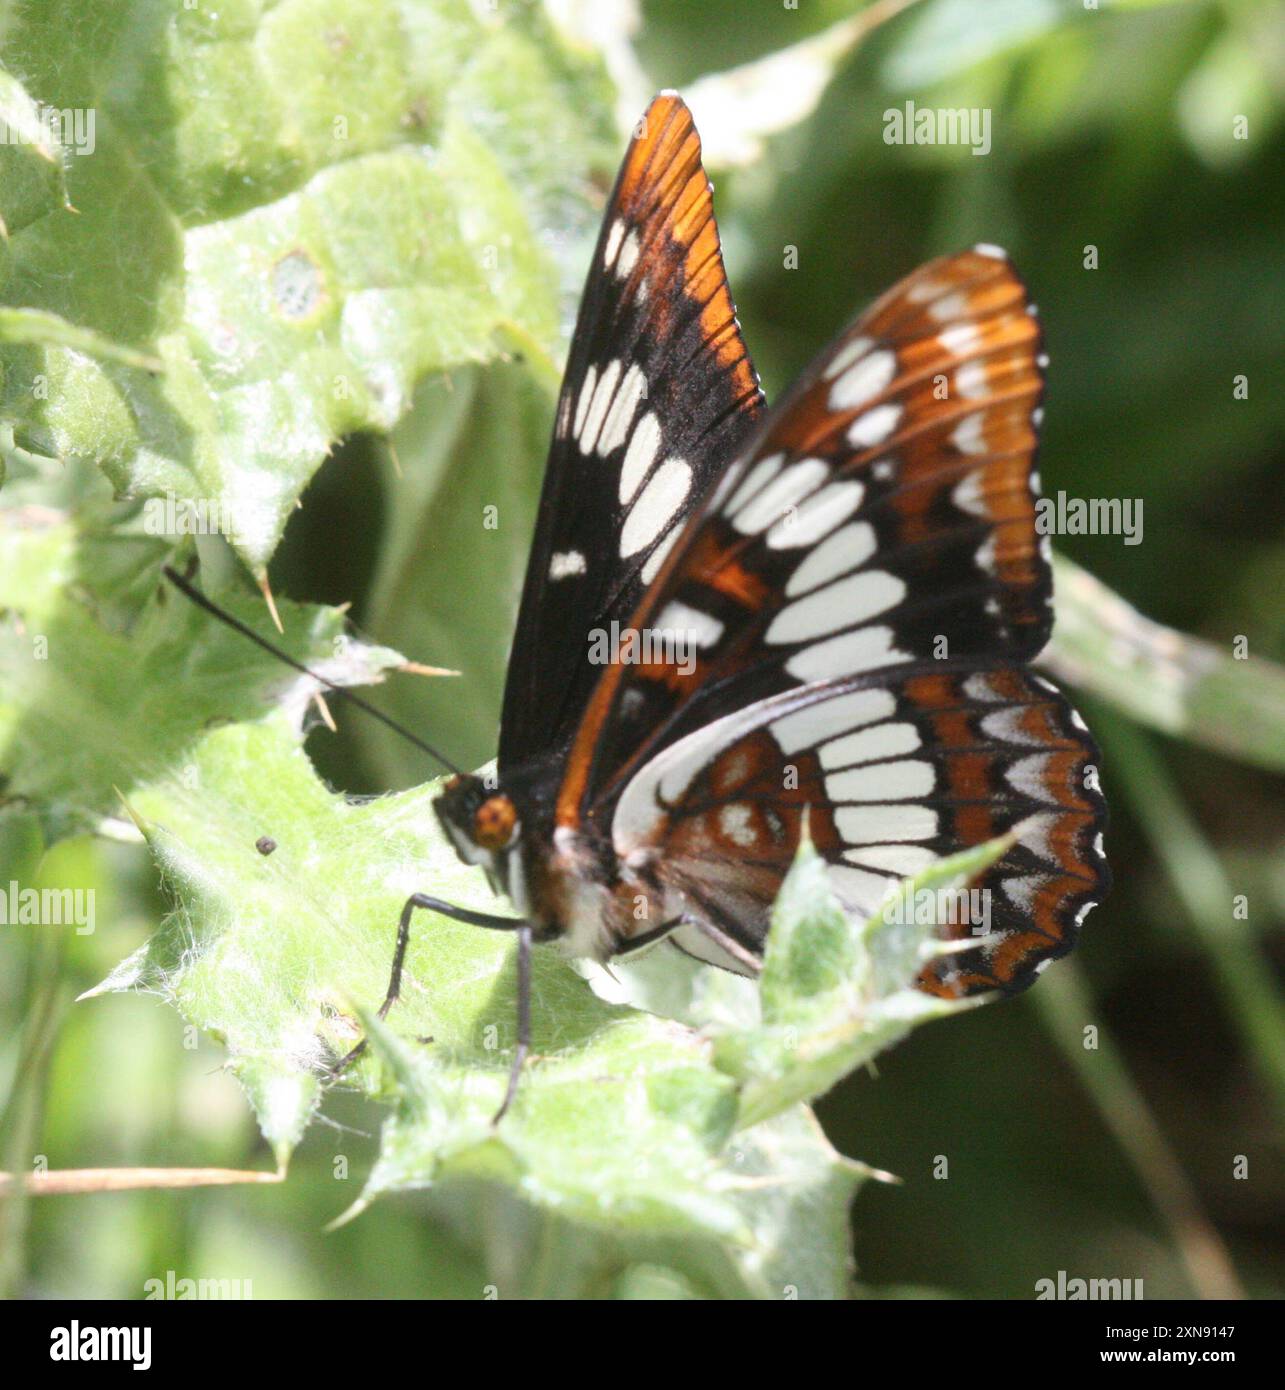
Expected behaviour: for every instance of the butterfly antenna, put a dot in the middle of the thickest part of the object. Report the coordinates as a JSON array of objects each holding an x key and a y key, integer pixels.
[{"x": 190, "y": 591}]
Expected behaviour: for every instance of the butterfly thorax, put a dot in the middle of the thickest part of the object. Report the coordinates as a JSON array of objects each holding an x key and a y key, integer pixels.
[{"x": 566, "y": 883}]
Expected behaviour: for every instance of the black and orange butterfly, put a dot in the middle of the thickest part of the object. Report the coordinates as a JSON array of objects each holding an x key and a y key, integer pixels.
[{"x": 818, "y": 615}]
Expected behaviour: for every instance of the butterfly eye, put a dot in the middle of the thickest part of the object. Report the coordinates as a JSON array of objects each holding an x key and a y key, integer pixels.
[{"x": 495, "y": 823}]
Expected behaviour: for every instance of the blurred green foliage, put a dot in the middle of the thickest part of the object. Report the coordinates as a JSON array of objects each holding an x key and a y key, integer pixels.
[{"x": 1113, "y": 128}]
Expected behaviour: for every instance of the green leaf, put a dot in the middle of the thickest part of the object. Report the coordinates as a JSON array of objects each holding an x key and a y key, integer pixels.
[
  {"x": 680, "y": 1146},
  {"x": 31, "y": 171},
  {"x": 36, "y": 326},
  {"x": 300, "y": 210},
  {"x": 944, "y": 38},
  {"x": 836, "y": 992},
  {"x": 631, "y": 1137},
  {"x": 110, "y": 709}
]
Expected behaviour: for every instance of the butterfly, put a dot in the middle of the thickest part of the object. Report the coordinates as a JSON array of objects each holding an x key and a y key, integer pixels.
[
  {"x": 854, "y": 585},
  {"x": 741, "y": 626}
]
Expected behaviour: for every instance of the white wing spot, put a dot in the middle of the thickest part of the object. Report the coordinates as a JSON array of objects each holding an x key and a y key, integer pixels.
[
  {"x": 628, "y": 256},
  {"x": 816, "y": 516},
  {"x": 614, "y": 238},
  {"x": 959, "y": 337},
  {"x": 1006, "y": 724},
  {"x": 1027, "y": 776},
  {"x": 985, "y": 555},
  {"x": 771, "y": 503},
  {"x": 902, "y": 860},
  {"x": 587, "y": 435},
  {"x": 858, "y": 889},
  {"x": 978, "y": 687},
  {"x": 924, "y": 291},
  {"x": 1021, "y": 890},
  {"x": 758, "y": 477},
  {"x": 874, "y": 426},
  {"x": 866, "y": 745},
  {"x": 587, "y": 387},
  {"x": 894, "y": 781},
  {"x": 967, "y": 494},
  {"x": 656, "y": 506},
  {"x": 826, "y": 719},
  {"x": 864, "y": 650},
  {"x": 884, "y": 824},
  {"x": 949, "y": 306},
  {"x": 967, "y": 436},
  {"x": 847, "y": 549},
  {"x": 735, "y": 821},
  {"x": 681, "y": 618},
  {"x": 564, "y": 563},
  {"x": 615, "y": 428},
  {"x": 847, "y": 355},
  {"x": 864, "y": 380},
  {"x": 970, "y": 380},
  {"x": 1036, "y": 832},
  {"x": 639, "y": 456},
  {"x": 839, "y": 605}
]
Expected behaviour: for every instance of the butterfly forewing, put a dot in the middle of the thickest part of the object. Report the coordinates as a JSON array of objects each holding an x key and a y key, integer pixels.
[
  {"x": 658, "y": 395},
  {"x": 881, "y": 514}
]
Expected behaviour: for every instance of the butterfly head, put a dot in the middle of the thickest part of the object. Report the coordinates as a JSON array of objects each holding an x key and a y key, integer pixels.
[{"x": 481, "y": 822}]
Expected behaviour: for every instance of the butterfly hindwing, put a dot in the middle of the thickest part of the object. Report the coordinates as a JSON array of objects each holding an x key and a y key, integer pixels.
[
  {"x": 889, "y": 771},
  {"x": 658, "y": 394}
]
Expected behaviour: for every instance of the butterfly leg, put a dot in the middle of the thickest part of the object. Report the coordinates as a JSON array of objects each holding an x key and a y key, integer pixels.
[
  {"x": 635, "y": 944},
  {"x": 524, "y": 1019},
  {"x": 445, "y": 909},
  {"x": 750, "y": 963}
]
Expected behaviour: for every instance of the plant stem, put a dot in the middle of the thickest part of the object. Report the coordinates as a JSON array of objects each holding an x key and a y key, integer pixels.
[
  {"x": 1242, "y": 972},
  {"x": 1165, "y": 678},
  {"x": 1065, "y": 1006}
]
